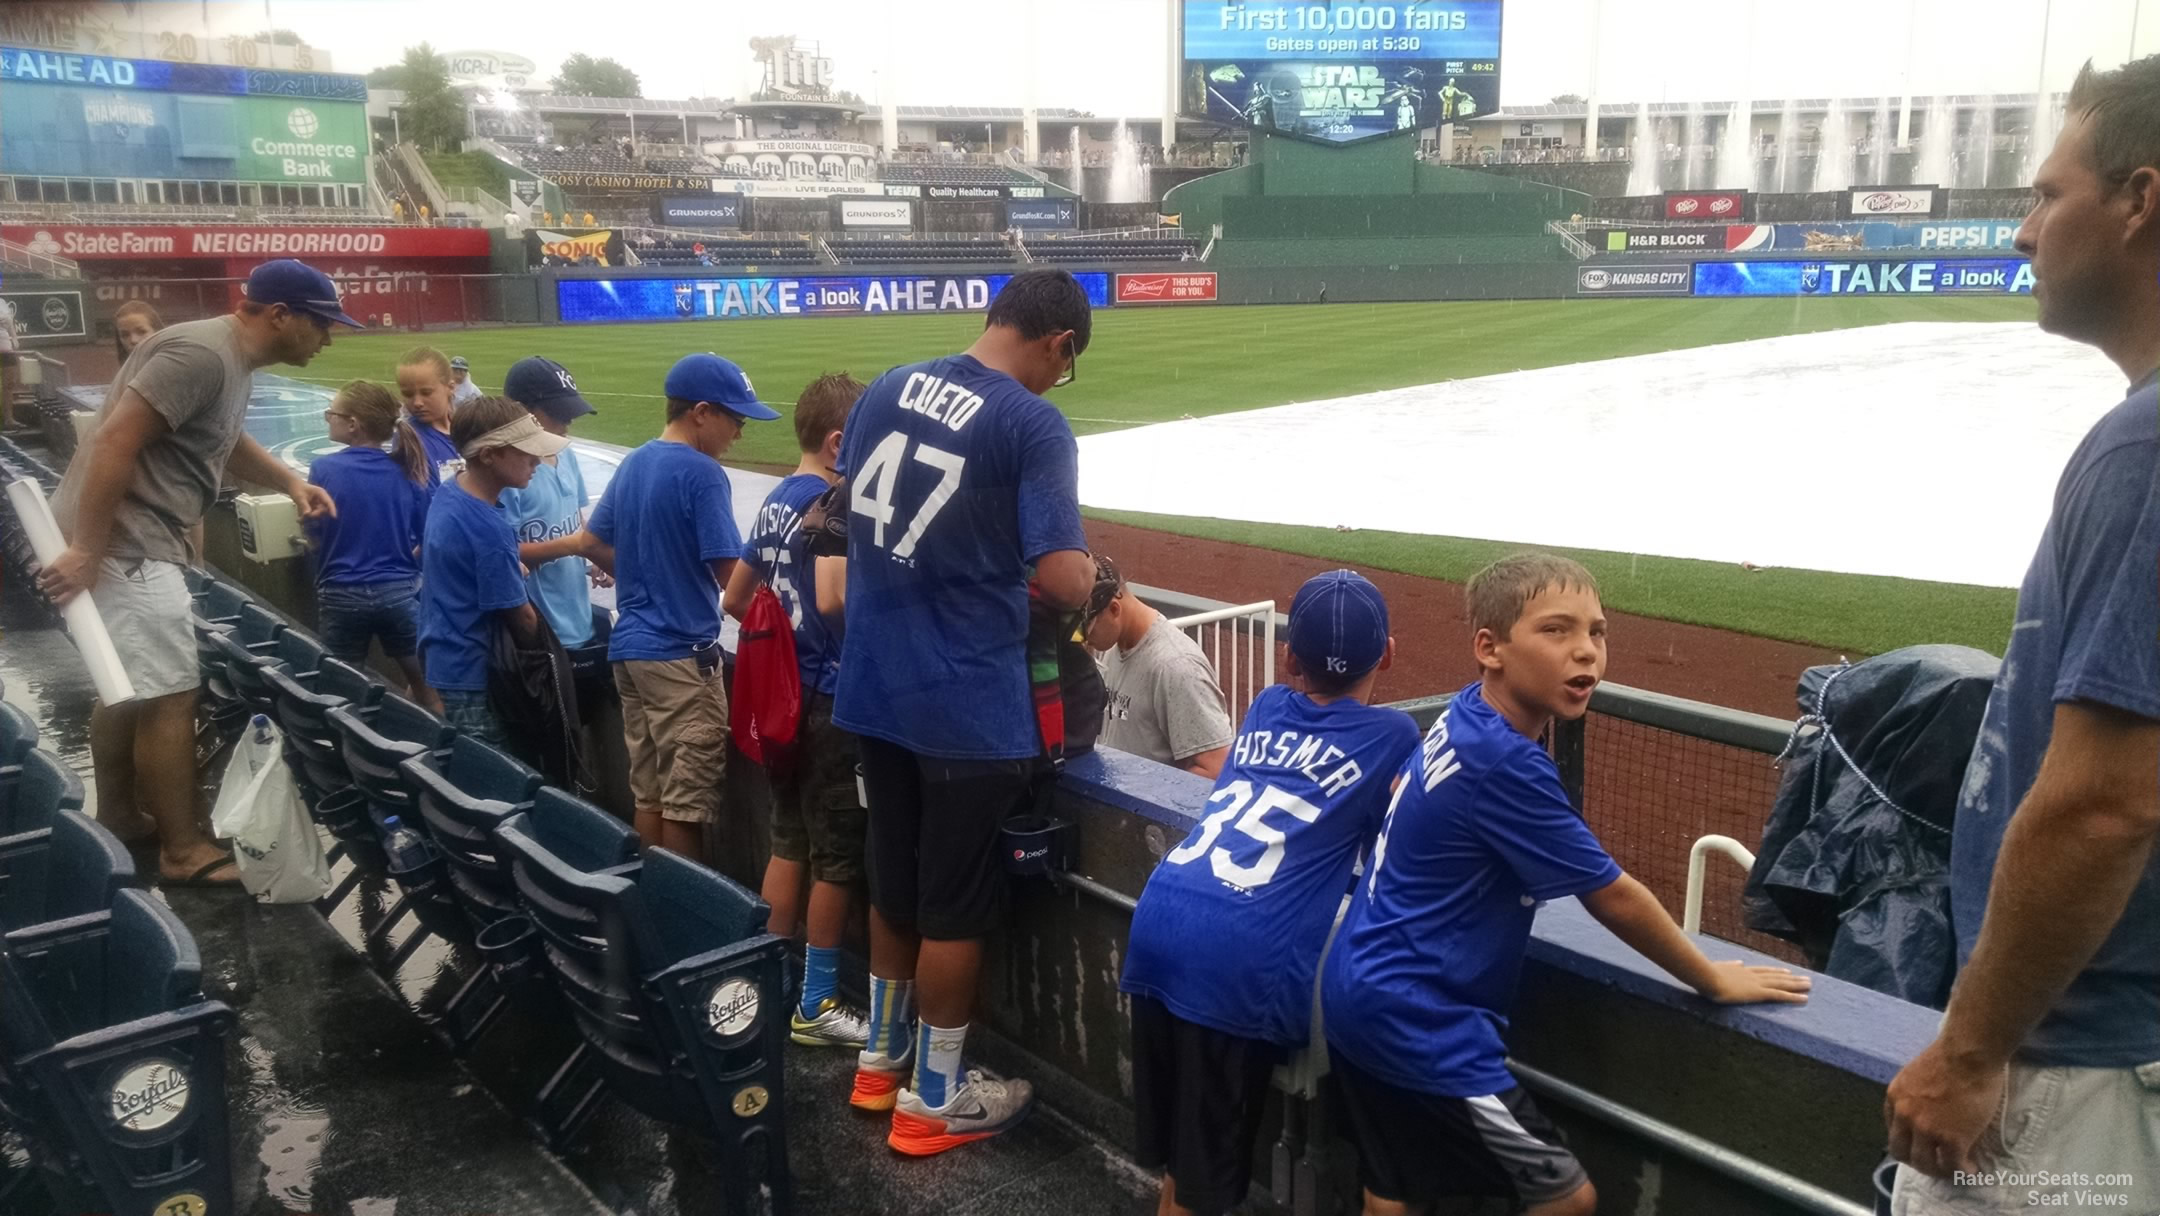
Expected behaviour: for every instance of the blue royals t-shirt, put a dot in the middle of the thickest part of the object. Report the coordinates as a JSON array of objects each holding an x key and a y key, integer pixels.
[
  {"x": 1424, "y": 969},
  {"x": 469, "y": 571},
  {"x": 781, "y": 554},
  {"x": 380, "y": 514},
  {"x": 1229, "y": 930},
  {"x": 959, "y": 480},
  {"x": 2088, "y": 617},
  {"x": 441, "y": 452},
  {"x": 550, "y": 508},
  {"x": 670, "y": 514}
]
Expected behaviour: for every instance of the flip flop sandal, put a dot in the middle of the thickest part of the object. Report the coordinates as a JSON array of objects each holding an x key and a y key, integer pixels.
[{"x": 201, "y": 878}]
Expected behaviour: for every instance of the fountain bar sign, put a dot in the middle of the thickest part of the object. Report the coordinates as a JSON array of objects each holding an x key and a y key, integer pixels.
[
  {"x": 1879, "y": 202},
  {"x": 1707, "y": 206}
]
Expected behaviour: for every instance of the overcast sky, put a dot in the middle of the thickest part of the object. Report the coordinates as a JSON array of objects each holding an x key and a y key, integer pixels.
[{"x": 1107, "y": 56}]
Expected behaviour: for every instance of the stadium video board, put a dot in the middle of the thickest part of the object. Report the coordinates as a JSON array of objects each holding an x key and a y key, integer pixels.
[
  {"x": 663, "y": 299},
  {"x": 1959, "y": 276},
  {"x": 1342, "y": 70}
]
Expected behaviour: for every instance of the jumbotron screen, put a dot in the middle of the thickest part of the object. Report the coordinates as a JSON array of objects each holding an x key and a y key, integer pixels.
[{"x": 1342, "y": 71}]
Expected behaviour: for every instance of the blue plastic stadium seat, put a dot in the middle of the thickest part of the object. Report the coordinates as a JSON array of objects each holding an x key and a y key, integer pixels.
[
  {"x": 463, "y": 796},
  {"x": 299, "y": 701},
  {"x": 71, "y": 867},
  {"x": 42, "y": 789},
  {"x": 673, "y": 984},
  {"x": 374, "y": 741},
  {"x": 18, "y": 734},
  {"x": 115, "y": 1064}
]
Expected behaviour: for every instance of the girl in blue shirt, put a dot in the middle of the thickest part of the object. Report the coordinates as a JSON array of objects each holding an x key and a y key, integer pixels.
[
  {"x": 367, "y": 574},
  {"x": 423, "y": 377}
]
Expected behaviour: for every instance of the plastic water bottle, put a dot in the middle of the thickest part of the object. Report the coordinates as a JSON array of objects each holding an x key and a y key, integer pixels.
[
  {"x": 407, "y": 849},
  {"x": 263, "y": 734}
]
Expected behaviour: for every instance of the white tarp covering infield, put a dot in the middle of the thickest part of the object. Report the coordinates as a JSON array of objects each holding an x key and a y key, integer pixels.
[{"x": 1924, "y": 450}]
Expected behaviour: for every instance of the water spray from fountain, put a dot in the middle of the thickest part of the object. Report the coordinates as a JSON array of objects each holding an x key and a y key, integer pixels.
[
  {"x": 1834, "y": 150},
  {"x": 1648, "y": 154},
  {"x": 1736, "y": 160},
  {"x": 1786, "y": 180},
  {"x": 1980, "y": 143},
  {"x": 1879, "y": 141},
  {"x": 1934, "y": 167},
  {"x": 1691, "y": 158},
  {"x": 1127, "y": 184}
]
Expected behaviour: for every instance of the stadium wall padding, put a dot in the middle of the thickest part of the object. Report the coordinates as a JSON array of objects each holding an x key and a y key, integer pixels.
[{"x": 1301, "y": 285}]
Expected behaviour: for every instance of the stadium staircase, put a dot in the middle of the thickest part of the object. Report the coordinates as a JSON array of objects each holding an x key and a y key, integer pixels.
[{"x": 22, "y": 259}]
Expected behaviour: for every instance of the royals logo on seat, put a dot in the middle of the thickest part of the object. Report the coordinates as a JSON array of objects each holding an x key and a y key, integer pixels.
[
  {"x": 732, "y": 1009},
  {"x": 149, "y": 1096}
]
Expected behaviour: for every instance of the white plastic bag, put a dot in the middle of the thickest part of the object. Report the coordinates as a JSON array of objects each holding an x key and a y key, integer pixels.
[{"x": 275, "y": 848}]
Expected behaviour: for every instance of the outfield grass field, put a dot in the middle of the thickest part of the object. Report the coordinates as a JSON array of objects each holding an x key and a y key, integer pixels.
[{"x": 1153, "y": 365}]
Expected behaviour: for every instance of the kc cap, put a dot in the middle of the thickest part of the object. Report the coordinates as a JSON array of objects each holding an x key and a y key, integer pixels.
[
  {"x": 545, "y": 385},
  {"x": 1339, "y": 624},
  {"x": 708, "y": 377},
  {"x": 458, "y": 364},
  {"x": 300, "y": 287}
]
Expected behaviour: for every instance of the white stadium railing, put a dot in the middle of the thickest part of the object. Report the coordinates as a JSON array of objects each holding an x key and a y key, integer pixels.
[{"x": 1240, "y": 642}]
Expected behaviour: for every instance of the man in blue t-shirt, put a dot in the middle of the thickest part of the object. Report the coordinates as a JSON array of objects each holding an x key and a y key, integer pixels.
[
  {"x": 818, "y": 821},
  {"x": 669, "y": 516},
  {"x": 2053, "y": 1027},
  {"x": 553, "y": 505},
  {"x": 961, "y": 479},
  {"x": 1423, "y": 971},
  {"x": 1230, "y": 928}
]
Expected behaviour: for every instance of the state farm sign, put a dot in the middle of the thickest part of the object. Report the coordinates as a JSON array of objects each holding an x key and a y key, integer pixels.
[
  {"x": 98, "y": 242},
  {"x": 1166, "y": 288}
]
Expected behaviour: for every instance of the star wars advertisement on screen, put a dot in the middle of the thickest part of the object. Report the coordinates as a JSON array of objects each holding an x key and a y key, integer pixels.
[{"x": 1341, "y": 71}]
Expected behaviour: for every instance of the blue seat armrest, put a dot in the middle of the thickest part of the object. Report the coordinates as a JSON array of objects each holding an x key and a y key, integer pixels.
[
  {"x": 152, "y": 1028},
  {"x": 628, "y": 869},
  {"x": 38, "y": 938},
  {"x": 720, "y": 957}
]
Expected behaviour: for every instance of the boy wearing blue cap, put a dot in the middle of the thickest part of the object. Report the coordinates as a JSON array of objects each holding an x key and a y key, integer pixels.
[
  {"x": 1230, "y": 928},
  {"x": 669, "y": 514},
  {"x": 1418, "y": 984},
  {"x": 551, "y": 507},
  {"x": 170, "y": 428}
]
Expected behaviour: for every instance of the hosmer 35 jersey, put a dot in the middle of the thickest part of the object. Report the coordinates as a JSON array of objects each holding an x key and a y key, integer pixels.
[
  {"x": 1229, "y": 931},
  {"x": 959, "y": 480}
]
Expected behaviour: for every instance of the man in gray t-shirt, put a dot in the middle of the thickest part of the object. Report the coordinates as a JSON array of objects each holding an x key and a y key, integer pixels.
[
  {"x": 170, "y": 428},
  {"x": 1164, "y": 702}
]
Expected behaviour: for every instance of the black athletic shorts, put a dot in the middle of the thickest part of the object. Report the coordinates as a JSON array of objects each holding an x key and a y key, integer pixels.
[
  {"x": 1197, "y": 1098},
  {"x": 1419, "y": 1148},
  {"x": 934, "y": 862}
]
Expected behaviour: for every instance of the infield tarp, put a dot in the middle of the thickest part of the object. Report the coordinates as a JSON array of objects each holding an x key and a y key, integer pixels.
[{"x": 1927, "y": 450}]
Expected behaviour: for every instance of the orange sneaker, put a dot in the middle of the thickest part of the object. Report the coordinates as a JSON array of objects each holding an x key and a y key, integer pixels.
[
  {"x": 979, "y": 1109},
  {"x": 878, "y": 1078}
]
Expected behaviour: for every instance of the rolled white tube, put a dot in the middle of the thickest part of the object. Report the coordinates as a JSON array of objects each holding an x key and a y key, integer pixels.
[{"x": 83, "y": 622}]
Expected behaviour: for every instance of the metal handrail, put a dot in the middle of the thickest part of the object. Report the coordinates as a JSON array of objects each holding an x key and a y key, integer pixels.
[
  {"x": 1570, "y": 235},
  {"x": 30, "y": 260},
  {"x": 1698, "y": 856},
  {"x": 1797, "y": 1192}
]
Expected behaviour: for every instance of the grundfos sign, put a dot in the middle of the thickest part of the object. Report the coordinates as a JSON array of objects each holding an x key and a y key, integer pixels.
[{"x": 90, "y": 242}]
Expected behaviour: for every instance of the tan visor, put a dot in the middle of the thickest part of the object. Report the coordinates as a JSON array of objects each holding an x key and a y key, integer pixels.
[{"x": 525, "y": 435}]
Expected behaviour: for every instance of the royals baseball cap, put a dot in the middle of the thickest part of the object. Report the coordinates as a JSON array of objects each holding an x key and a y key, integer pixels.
[
  {"x": 1339, "y": 624},
  {"x": 458, "y": 363},
  {"x": 300, "y": 287},
  {"x": 710, "y": 378},
  {"x": 547, "y": 386}
]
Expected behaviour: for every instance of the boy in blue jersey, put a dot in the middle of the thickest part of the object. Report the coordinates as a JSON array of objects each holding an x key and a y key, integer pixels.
[
  {"x": 961, "y": 479},
  {"x": 1417, "y": 987},
  {"x": 669, "y": 515},
  {"x": 1229, "y": 932},
  {"x": 469, "y": 572},
  {"x": 552, "y": 506},
  {"x": 817, "y": 820}
]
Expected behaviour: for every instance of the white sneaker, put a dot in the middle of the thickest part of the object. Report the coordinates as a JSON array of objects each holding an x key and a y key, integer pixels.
[
  {"x": 878, "y": 1077},
  {"x": 981, "y": 1108},
  {"x": 835, "y": 1025}
]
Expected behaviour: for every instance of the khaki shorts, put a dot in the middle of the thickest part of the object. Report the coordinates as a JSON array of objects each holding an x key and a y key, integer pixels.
[
  {"x": 675, "y": 724},
  {"x": 2067, "y": 1140},
  {"x": 817, "y": 817},
  {"x": 147, "y": 612}
]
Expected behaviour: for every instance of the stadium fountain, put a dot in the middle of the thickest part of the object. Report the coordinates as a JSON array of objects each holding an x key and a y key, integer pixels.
[
  {"x": 1980, "y": 144},
  {"x": 1934, "y": 167},
  {"x": 1648, "y": 154},
  {"x": 1078, "y": 180},
  {"x": 1691, "y": 156},
  {"x": 1128, "y": 177},
  {"x": 1788, "y": 160},
  {"x": 1834, "y": 150},
  {"x": 2046, "y": 124},
  {"x": 1736, "y": 152},
  {"x": 1879, "y": 145}
]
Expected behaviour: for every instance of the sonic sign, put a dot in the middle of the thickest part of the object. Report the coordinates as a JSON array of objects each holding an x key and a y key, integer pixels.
[{"x": 1343, "y": 70}]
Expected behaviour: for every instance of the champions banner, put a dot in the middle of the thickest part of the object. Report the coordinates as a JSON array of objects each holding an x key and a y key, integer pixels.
[
  {"x": 706, "y": 299},
  {"x": 1341, "y": 71}
]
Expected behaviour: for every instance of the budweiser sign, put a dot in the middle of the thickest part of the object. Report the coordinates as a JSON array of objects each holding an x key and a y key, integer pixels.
[
  {"x": 101, "y": 242},
  {"x": 1196, "y": 288}
]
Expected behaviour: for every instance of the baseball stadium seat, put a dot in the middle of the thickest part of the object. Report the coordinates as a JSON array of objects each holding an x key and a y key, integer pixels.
[
  {"x": 70, "y": 867},
  {"x": 43, "y": 788},
  {"x": 114, "y": 1062},
  {"x": 248, "y": 649},
  {"x": 374, "y": 741},
  {"x": 672, "y": 981},
  {"x": 18, "y": 734}
]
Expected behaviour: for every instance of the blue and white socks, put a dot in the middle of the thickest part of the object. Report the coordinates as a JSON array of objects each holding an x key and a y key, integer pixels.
[
  {"x": 937, "y": 1063},
  {"x": 821, "y": 978},
  {"x": 892, "y": 1012}
]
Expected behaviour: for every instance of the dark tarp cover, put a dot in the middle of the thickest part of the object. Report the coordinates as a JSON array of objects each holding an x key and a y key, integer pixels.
[{"x": 1854, "y": 864}]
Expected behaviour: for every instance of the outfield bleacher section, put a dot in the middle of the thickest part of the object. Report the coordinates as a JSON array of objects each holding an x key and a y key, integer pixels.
[
  {"x": 921, "y": 249},
  {"x": 932, "y": 174},
  {"x": 1321, "y": 252},
  {"x": 1073, "y": 250},
  {"x": 722, "y": 252}
]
